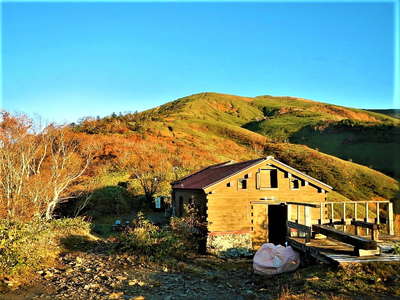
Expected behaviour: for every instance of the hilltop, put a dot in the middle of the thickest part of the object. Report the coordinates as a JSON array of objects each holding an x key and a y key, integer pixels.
[{"x": 211, "y": 127}]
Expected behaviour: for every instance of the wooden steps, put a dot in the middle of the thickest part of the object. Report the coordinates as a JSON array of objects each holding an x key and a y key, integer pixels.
[
  {"x": 331, "y": 251},
  {"x": 354, "y": 240}
]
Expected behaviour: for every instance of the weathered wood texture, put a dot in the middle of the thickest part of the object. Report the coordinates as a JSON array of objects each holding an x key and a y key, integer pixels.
[
  {"x": 338, "y": 253},
  {"x": 229, "y": 207},
  {"x": 344, "y": 237},
  {"x": 259, "y": 224},
  {"x": 183, "y": 198},
  {"x": 374, "y": 228},
  {"x": 301, "y": 228}
]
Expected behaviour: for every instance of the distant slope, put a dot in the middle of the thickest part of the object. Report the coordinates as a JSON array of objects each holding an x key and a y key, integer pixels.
[
  {"x": 395, "y": 113},
  {"x": 211, "y": 127},
  {"x": 284, "y": 116}
]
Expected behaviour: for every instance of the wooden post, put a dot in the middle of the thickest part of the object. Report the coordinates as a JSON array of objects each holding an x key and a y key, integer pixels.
[
  {"x": 355, "y": 211},
  {"x": 355, "y": 218},
  {"x": 378, "y": 221},
  {"x": 297, "y": 220},
  {"x": 321, "y": 216},
  {"x": 344, "y": 216},
  {"x": 289, "y": 218},
  {"x": 355, "y": 229},
  {"x": 390, "y": 218},
  {"x": 307, "y": 216},
  {"x": 307, "y": 219},
  {"x": 366, "y": 217},
  {"x": 374, "y": 234}
]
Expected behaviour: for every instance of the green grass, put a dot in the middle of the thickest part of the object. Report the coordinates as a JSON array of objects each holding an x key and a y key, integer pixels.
[
  {"x": 368, "y": 145},
  {"x": 281, "y": 128}
]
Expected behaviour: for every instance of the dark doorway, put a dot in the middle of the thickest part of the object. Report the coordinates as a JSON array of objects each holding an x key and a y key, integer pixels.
[{"x": 277, "y": 227}]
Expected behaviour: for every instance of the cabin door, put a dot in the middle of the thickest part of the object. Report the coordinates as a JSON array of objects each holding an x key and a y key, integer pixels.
[
  {"x": 259, "y": 224},
  {"x": 277, "y": 226}
]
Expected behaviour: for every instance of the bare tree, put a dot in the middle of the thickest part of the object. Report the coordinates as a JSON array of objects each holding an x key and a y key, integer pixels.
[
  {"x": 18, "y": 150},
  {"x": 150, "y": 165},
  {"x": 37, "y": 168},
  {"x": 67, "y": 162}
]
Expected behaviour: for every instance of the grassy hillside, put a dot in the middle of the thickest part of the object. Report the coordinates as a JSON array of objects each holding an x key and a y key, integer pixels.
[
  {"x": 395, "y": 113},
  {"x": 212, "y": 127},
  {"x": 365, "y": 137},
  {"x": 374, "y": 146}
]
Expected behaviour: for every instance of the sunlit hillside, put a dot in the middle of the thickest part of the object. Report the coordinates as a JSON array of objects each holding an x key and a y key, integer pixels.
[{"x": 212, "y": 127}]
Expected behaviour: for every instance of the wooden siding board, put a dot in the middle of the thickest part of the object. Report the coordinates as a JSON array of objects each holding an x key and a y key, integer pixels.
[{"x": 229, "y": 208}]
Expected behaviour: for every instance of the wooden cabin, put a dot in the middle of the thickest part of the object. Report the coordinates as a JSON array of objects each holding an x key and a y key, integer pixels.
[{"x": 246, "y": 204}]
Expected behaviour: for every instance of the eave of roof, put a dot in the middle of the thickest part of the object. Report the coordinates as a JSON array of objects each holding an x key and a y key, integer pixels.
[
  {"x": 255, "y": 162},
  {"x": 237, "y": 172},
  {"x": 207, "y": 176},
  {"x": 304, "y": 174},
  {"x": 201, "y": 170}
]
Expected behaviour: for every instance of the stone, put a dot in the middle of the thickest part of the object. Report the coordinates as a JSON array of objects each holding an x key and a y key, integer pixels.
[
  {"x": 121, "y": 278},
  {"x": 136, "y": 282},
  {"x": 117, "y": 295},
  {"x": 314, "y": 278}
]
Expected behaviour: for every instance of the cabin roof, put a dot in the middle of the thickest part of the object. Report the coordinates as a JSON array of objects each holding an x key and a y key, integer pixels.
[{"x": 213, "y": 174}]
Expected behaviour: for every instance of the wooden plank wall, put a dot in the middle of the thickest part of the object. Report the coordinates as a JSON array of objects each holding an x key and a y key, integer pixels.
[{"x": 229, "y": 206}]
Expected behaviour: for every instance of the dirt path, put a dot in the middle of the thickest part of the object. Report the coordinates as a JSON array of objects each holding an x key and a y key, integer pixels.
[{"x": 99, "y": 275}]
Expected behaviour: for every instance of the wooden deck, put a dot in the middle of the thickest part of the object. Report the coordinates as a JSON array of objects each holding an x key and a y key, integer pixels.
[{"x": 334, "y": 252}]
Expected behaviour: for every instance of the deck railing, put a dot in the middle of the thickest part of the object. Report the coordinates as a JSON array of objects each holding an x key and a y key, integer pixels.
[{"x": 343, "y": 213}]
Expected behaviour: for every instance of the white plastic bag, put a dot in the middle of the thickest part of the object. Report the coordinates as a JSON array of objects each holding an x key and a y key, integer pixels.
[{"x": 273, "y": 259}]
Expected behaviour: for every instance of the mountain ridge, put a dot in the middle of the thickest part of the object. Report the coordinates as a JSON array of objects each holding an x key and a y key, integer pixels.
[{"x": 215, "y": 127}]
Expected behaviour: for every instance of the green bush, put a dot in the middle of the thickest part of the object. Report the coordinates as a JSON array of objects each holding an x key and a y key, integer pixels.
[
  {"x": 25, "y": 247},
  {"x": 109, "y": 200},
  {"x": 396, "y": 248},
  {"x": 157, "y": 243}
]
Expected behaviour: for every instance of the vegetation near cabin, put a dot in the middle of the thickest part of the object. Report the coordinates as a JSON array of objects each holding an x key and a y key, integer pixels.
[{"x": 63, "y": 187}]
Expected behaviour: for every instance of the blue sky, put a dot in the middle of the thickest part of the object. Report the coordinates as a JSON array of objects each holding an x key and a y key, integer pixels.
[{"x": 69, "y": 60}]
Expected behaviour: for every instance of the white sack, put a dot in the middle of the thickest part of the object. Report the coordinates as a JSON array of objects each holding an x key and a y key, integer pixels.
[{"x": 273, "y": 259}]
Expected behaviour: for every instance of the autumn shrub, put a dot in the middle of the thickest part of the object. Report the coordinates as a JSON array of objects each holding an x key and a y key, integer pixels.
[
  {"x": 26, "y": 247},
  {"x": 157, "y": 243},
  {"x": 192, "y": 228}
]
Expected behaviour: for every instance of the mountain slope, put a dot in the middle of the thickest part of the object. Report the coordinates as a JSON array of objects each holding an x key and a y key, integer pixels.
[
  {"x": 394, "y": 113},
  {"x": 365, "y": 137},
  {"x": 212, "y": 127}
]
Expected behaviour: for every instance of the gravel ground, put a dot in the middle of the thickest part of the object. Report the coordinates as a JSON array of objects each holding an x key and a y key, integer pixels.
[
  {"x": 101, "y": 276},
  {"x": 96, "y": 274}
]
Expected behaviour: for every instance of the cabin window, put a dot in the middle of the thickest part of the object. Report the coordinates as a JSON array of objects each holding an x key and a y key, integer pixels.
[
  {"x": 274, "y": 178},
  {"x": 228, "y": 184},
  {"x": 268, "y": 179},
  {"x": 295, "y": 184},
  {"x": 242, "y": 184}
]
